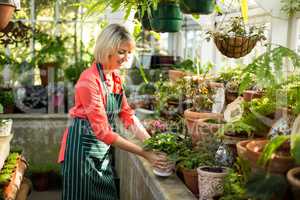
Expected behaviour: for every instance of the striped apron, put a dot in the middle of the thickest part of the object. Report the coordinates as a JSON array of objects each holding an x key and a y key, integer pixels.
[{"x": 87, "y": 172}]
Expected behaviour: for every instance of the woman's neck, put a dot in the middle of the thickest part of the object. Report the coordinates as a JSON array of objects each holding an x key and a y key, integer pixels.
[{"x": 106, "y": 70}]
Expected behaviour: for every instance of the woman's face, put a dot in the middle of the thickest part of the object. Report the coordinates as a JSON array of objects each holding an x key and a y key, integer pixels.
[{"x": 121, "y": 56}]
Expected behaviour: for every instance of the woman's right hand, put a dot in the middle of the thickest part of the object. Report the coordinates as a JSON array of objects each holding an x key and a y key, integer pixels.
[{"x": 157, "y": 159}]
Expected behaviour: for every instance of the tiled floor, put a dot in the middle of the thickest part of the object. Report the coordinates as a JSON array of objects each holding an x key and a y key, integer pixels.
[{"x": 47, "y": 195}]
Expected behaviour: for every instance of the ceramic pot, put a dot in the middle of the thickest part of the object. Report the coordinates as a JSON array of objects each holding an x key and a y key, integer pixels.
[
  {"x": 210, "y": 181},
  {"x": 293, "y": 177},
  {"x": 168, "y": 171}
]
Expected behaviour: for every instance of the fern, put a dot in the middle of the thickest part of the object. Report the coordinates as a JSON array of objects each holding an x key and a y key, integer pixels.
[{"x": 268, "y": 67}]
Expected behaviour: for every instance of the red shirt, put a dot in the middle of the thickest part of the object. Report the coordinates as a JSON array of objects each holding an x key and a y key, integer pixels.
[{"x": 90, "y": 103}]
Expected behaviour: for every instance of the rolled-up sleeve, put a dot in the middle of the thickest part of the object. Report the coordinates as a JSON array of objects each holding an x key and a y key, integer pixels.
[
  {"x": 126, "y": 114},
  {"x": 90, "y": 97}
]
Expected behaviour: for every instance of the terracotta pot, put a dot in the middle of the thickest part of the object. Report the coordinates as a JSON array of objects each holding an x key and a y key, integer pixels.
[
  {"x": 278, "y": 163},
  {"x": 293, "y": 177},
  {"x": 241, "y": 148},
  {"x": 174, "y": 75},
  {"x": 248, "y": 95},
  {"x": 231, "y": 142},
  {"x": 190, "y": 177},
  {"x": 45, "y": 70},
  {"x": 196, "y": 125},
  {"x": 6, "y": 12},
  {"x": 230, "y": 96},
  {"x": 210, "y": 183}
]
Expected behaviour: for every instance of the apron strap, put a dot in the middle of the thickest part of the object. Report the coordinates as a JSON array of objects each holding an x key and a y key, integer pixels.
[{"x": 101, "y": 74}]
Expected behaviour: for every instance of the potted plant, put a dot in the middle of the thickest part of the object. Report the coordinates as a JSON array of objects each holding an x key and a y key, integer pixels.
[
  {"x": 181, "y": 69},
  {"x": 235, "y": 39},
  {"x": 50, "y": 56},
  {"x": 7, "y": 8},
  {"x": 188, "y": 162},
  {"x": 200, "y": 94},
  {"x": 235, "y": 181},
  {"x": 211, "y": 173},
  {"x": 231, "y": 78},
  {"x": 167, "y": 143},
  {"x": 7, "y": 100}
]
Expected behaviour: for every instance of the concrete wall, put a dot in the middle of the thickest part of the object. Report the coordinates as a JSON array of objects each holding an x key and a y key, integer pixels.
[{"x": 39, "y": 135}]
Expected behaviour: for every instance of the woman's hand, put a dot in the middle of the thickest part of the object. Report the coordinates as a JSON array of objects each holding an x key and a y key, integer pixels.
[{"x": 157, "y": 159}]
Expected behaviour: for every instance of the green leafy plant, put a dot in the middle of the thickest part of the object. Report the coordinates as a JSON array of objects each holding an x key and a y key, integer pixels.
[
  {"x": 186, "y": 65},
  {"x": 7, "y": 98},
  {"x": 50, "y": 49},
  {"x": 290, "y": 7},
  {"x": 235, "y": 181},
  {"x": 147, "y": 88},
  {"x": 254, "y": 113},
  {"x": 237, "y": 28},
  {"x": 265, "y": 186},
  {"x": 98, "y": 6},
  {"x": 236, "y": 128},
  {"x": 201, "y": 96},
  {"x": 169, "y": 91},
  {"x": 168, "y": 143},
  {"x": 268, "y": 68},
  {"x": 276, "y": 143}
]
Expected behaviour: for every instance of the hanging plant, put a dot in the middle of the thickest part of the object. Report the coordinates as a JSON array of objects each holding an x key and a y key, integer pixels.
[
  {"x": 290, "y": 7},
  {"x": 235, "y": 39}
]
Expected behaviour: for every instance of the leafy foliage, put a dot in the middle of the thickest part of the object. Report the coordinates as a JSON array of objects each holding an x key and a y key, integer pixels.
[
  {"x": 237, "y": 28},
  {"x": 235, "y": 181},
  {"x": 147, "y": 88},
  {"x": 52, "y": 48},
  {"x": 7, "y": 98},
  {"x": 186, "y": 65},
  {"x": 290, "y": 6},
  {"x": 271, "y": 147},
  {"x": 268, "y": 68},
  {"x": 98, "y": 6},
  {"x": 236, "y": 128},
  {"x": 265, "y": 186},
  {"x": 164, "y": 142},
  {"x": 295, "y": 147}
]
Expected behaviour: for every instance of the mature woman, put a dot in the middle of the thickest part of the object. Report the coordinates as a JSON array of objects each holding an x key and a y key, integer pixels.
[{"x": 99, "y": 99}]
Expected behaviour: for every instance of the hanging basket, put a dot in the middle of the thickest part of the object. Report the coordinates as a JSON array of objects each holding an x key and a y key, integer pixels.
[{"x": 235, "y": 46}]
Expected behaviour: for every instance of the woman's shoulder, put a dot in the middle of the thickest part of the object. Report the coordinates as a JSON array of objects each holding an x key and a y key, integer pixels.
[{"x": 89, "y": 73}]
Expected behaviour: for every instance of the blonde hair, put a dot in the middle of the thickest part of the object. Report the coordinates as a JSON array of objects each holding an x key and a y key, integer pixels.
[{"x": 109, "y": 41}]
